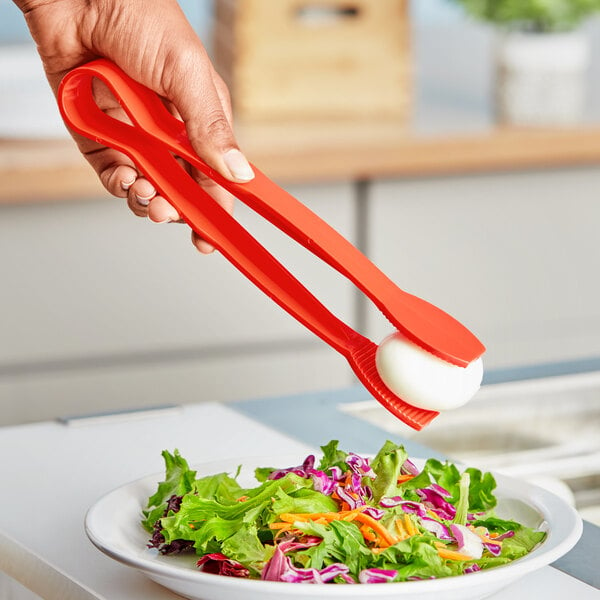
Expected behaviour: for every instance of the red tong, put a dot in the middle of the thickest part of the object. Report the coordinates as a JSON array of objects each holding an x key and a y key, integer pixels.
[{"x": 153, "y": 140}]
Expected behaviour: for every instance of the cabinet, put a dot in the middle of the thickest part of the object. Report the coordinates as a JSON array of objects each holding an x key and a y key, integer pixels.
[
  {"x": 101, "y": 310},
  {"x": 513, "y": 256}
]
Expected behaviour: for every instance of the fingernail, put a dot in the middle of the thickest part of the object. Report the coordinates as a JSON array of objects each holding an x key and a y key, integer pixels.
[
  {"x": 238, "y": 166},
  {"x": 127, "y": 184},
  {"x": 143, "y": 201}
]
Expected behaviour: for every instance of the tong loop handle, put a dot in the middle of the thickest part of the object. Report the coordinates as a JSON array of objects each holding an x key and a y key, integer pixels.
[{"x": 150, "y": 142}]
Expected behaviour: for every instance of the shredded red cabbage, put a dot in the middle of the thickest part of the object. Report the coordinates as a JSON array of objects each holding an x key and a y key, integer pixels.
[
  {"x": 437, "y": 503},
  {"x": 408, "y": 468},
  {"x": 377, "y": 575},
  {"x": 219, "y": 564},
  {"x": 281, "y": 568},
  {"x": 438, "y": 529},
  {"x": 360, "y": 465},
  {"x": 472, "y": 568}
]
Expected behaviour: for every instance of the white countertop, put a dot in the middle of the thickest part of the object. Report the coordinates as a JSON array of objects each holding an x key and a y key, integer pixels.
[{"x": 52, "y": 473}]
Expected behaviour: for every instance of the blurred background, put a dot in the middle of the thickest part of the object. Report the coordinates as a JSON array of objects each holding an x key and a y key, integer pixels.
[{"x": 460, "y": 153}]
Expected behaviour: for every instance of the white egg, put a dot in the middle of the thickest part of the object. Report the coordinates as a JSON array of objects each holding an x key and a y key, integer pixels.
[{"x": 424, "y": 380}]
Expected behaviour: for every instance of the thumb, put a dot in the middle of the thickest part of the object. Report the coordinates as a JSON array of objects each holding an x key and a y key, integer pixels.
[{"x": 202, "y": 100}]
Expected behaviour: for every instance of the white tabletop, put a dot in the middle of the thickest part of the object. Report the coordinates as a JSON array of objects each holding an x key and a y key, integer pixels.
[{"x": 51, "y": 473}]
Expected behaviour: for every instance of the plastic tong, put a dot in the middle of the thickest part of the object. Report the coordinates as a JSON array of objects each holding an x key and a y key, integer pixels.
[{"x": 152, "y": 142}]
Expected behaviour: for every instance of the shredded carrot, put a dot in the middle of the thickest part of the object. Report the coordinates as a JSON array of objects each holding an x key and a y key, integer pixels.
[
  {"x": 400, "y": 529},
  {"x": 376, "y": 527},
  {"x": 293, "y": 517},
  {"x": 242, "y": 498},
  {"x": 453, "y": 555},
  {"x": 350, "y": 515},
  {"x": 329, "y": 516},
  {"x": 405, "y": 478},
  {"x": 409, "y": 525},
  {"x": 486, "y": 539},
  {"x": 281, "y": 528},
  {"x": 445, "y": 552},
  {"x": 368, "y": 533}
]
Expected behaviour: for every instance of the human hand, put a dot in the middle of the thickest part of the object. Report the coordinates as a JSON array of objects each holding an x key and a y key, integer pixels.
[{"x": 153, "y": 43}]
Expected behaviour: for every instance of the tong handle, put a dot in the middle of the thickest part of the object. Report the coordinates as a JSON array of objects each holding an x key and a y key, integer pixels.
[
  {"x": 200, "y": 211},
  {"x": 420, "y": 321}
]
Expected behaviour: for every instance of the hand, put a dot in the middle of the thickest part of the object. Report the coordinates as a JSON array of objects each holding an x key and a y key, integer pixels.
[{"x": 153, "y": 43}]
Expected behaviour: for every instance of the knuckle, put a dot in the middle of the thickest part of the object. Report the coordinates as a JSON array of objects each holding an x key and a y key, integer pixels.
[
  {"x": 108, "y": 179},
  {"x": 217, "y": 126},
  {"x": 222, "y": 88}
]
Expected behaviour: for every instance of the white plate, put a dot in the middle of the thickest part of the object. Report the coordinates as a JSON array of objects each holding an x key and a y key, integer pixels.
[{"x": 113, "y": 526}]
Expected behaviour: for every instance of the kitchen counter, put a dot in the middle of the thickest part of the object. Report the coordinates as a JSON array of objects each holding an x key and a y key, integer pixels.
[
  {"x": 451, "y": 131},
  {"x": 305, "y": 152},
  {"x": 63, "y": 468}
]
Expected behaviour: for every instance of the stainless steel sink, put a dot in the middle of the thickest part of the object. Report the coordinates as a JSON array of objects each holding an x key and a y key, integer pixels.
[{"x": 546, "y": 430}]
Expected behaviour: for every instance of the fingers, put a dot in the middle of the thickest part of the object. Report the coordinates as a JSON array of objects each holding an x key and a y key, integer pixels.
[
  {"x": 118, "y": 179},
  {"x": 121, "y": 179},
  {"x": 160, "y": 211},
  {"x": 202, "y": 245},
  {"x": 115, "y": 170}
]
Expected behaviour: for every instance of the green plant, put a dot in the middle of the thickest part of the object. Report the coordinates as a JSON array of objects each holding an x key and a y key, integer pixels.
[{"x": 532, "y": 15}]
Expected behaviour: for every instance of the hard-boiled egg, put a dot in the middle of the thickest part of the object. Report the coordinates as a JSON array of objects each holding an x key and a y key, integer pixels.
[{"x": 422, "y": 379}]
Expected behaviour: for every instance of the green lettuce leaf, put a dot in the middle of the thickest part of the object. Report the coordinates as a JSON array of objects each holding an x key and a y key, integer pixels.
[
  {"x": 261, "y": 474},
  {"x": 497, "y": 525},
  {"x": 342, "y": 542},
  {"x": 206, "y": 520},
  {"x": 462, "y": 504},
  {"x": 522, "y": 543},
  {"x": 245, "y": 547},
  {"x": 422, "y": 480},
  {"x": 302, "y": 501},
  {"x": 445, "y": 475},
  {"x": 333, "y": 457},
  {"x": 179, "y": 480},
  {"x": 387, "y": 465},
  {"x": 481, "y": 491},
  {"x": 414, "y": 557},
  {"x": 220, "y": 487}
]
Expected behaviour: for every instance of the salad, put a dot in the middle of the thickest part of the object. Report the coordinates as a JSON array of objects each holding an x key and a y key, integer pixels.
[{"x": 346, "y": 519}]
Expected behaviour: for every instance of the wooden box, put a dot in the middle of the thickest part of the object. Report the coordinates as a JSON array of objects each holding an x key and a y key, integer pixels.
[{"x": 315, "y": 59}]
